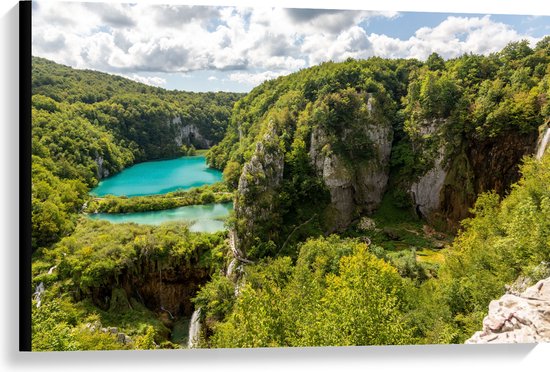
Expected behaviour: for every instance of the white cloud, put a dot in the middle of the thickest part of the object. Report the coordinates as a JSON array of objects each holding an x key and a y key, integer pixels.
[
  {"x": 155, "y": 81},
  {"x": 451, "y": 38},
  {"x": 143, "y": 38},
  {"x": 255, "y": 78}
]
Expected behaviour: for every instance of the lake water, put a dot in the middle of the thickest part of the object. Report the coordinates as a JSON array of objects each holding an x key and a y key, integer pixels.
[
  {"x": 202, "y": 218},
  {"x": 159, "y": 177}
]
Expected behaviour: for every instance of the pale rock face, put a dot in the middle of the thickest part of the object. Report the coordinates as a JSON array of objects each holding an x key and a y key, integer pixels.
[
  {"x": 188, "y": 133},
  {"x": 101, "y": 172},
  {"x": 372, "y": 177},
  {"x": 339, "y": 180},
  {"x": 258, "y": 188},
  {"x": 426, "y": 191},
  {"x": 357, "y": 188},
  {"x": 523, "y": 318}
]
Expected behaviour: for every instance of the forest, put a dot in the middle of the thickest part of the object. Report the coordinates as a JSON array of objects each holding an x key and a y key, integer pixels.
[{"x": 377, "y": 201}]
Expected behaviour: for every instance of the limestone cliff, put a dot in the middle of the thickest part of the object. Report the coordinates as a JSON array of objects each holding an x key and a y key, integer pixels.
[
  {"x": 357, "y": 186},
  {"x": 518, "y": 318},
  {"x": 425, "y": 192},
  {"x": 448, "y": 189},
  {"x": 102, "y": 172},
  {"x": 189, "y": 134},
  {"x": 256, "y": 200}
]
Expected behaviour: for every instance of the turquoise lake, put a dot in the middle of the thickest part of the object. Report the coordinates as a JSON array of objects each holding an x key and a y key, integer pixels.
[
  {"x": 159, "y": 177},
  {"x": 201, "y": 218}
]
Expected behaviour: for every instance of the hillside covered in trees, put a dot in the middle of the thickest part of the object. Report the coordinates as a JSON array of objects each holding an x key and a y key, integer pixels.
[
  {"x": 376, "y": 202},
  {"x": 87, "y": 125}
]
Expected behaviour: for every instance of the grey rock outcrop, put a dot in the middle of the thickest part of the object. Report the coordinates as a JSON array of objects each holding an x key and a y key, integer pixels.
[
  {"x": 426, "y": 190},
  {"x": 354, "y": 188},
  {"x": 102, "y": 172},
  {"x": 523, "y": 318},
  {"x": 258, "y": 190},
  {"x": 189, "y": 134}
]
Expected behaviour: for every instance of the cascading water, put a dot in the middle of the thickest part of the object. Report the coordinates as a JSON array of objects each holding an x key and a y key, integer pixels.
[
  {"x": 194, "y": 329},
  {"x": 232, "y": 272},
  {"x": 40, "y": 289},
  {"x": 543, "y": 143}
]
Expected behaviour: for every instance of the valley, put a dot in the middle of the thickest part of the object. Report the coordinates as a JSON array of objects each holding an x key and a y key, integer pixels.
[{"x": 364, "y": 202}]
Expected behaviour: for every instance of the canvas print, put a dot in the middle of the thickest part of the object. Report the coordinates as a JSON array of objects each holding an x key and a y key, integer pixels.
[{"x": 242, "y": 177}]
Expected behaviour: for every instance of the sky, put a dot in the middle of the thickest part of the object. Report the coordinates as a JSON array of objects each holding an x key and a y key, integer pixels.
[{"x": 207, "y": 48}]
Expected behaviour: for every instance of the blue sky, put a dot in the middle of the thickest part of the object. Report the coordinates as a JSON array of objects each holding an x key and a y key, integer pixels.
[{"x": 235, "y": 48}]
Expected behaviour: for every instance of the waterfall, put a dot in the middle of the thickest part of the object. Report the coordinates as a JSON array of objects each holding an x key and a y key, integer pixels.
[
  {"x": 194, "y": 329},
  {"x": 40, "y": 289},
  {"x": 543, "y": 143}
]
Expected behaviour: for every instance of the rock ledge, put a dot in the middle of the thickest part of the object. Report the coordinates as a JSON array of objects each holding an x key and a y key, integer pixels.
[{"x": 523, "y": 318}]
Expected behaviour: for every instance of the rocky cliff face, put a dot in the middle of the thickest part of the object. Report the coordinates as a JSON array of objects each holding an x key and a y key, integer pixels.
[
  {"x": 355, "y": 186},
  {"x": 189, "y": 134},
  {"x": 258, "y": 189},
  {"x": 101, "y": 171},
  {"x": 518, "y": 318},
  {"x": 449, "y": 189},
  {"x": 495, "y": 161},
  {"x": 161, "y": 287},
  {"x": 426, "y": 191},
  {"x": 544, "y": 139}
]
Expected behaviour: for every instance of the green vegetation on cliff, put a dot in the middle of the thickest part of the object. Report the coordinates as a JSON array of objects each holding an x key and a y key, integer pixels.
[
  {"x": 338, "y": 293},
  {"x": 124, "y": 275},
  {"x": 330, "y": 130},
  {"x": 87, "y": 125}
]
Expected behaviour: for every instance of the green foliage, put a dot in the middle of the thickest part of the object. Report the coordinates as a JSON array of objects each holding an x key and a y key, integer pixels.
[
  {"x": 87, "y": 125},
  {"x": 216, "y": 298},
  {"x": 147, "y": 341},
  {"x": 97, "y": 253},
  {"x": 493, "y": 249},
  {"x": 231, "y": 174},
  {"x": 206, "y": 194},
  {"x": 188, "y": 150},
  {"x": 51, "y": 327},
  {"x": 54, "y": 204},
  {"x": 337, "y": 294},
  {"x": 56, "y": 327},
  {"x": 433, "y": 95},
  {"x": 135, "y": 112},
  {"x": 435, "y": 62}
]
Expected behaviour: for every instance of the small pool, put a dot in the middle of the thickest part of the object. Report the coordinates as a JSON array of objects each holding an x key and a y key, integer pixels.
[{"x": 201, "y": 218}]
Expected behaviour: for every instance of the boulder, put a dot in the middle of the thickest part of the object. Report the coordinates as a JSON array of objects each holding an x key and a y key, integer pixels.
[{"x": 523, "y": 318}]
